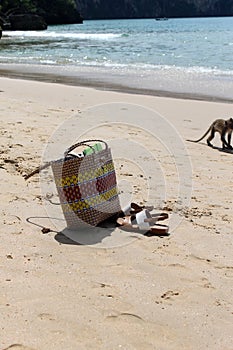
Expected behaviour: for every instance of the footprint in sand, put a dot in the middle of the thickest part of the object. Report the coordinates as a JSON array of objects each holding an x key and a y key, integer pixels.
[
  {"x": 169, "y": 294},
  {"x": 127, "y": 316},
  {"x": 228, "y": 270},
  {"x": 46, "y": 316}
]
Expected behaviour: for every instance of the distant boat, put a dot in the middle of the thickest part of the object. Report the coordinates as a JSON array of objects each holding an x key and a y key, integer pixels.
[
  {"x": 161, "y": 18},
  {"x": 163, "y": 12}
]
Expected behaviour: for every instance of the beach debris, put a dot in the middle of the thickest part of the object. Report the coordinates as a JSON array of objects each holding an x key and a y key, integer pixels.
[
  {"x": 127, "y": 314},
  {"x": 9, "y": 256},
  {"x": 11, "y": 161},
  {"x": 17, "y": 347},
  {"x": 45, "y": 230}
]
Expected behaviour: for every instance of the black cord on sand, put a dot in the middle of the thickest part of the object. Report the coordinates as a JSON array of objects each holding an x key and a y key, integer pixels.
[{"x": 44, "y": 229}]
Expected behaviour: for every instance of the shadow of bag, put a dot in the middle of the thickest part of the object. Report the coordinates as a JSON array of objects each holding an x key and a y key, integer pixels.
[{"x": 87, "y": 186}]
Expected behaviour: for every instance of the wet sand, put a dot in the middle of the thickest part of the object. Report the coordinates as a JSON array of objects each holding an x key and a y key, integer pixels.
[{"x": 131, "y": 83}]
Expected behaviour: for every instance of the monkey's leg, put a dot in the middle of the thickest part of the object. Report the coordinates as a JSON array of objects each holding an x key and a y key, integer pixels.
[
  {"x": 229, "y": 140},
  {"x": 212, "y": 133},
  {"x": 224, "y": 143}
]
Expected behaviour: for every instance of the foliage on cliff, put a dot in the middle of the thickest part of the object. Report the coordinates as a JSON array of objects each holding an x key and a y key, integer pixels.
[
  {"x": 67, "y": 11},
  {"x": 97, "y": 9},
  {"x": 53, "y": 11}
]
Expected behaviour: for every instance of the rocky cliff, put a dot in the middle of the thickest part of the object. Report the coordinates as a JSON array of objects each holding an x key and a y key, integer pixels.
[{"x": 103, "y": 9}]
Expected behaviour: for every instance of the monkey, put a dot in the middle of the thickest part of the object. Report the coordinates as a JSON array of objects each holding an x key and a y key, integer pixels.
[{"x": 223, "y": 127}]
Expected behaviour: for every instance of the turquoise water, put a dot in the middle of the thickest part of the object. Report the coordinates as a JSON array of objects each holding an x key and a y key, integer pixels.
[{"x": 169, "y": 55}]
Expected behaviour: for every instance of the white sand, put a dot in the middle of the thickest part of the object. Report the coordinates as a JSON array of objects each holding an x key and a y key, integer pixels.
[{"x": 154, "y": 293}]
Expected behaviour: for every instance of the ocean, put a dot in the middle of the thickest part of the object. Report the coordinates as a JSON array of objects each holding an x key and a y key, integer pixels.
[{"x": 190, "y": 56}]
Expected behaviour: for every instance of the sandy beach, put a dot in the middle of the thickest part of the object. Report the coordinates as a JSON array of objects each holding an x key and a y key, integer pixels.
[{"x": 163, "y": 293}]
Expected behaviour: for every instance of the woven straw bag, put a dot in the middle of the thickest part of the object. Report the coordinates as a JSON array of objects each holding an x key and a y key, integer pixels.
[{"x": 87, "y": 186}]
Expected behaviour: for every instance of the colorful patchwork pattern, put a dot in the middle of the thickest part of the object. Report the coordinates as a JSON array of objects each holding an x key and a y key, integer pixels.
[
  {"x": 91, "y": 202},
  {"x": 84, "y": 176},
  {"x": 87, "y": 189}
]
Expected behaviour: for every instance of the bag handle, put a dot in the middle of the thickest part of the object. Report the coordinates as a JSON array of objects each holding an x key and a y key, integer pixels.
[
  {"x": 83, "y": 143},
  {"x": 70, "y": 149}
]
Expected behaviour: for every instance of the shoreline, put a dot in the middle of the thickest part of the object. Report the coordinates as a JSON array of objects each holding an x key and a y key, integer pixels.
[{"x": 101, "y": 84}]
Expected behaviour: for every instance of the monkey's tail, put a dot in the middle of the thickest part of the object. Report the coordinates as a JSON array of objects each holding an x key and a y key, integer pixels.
[{"x": 201, "y": 138}]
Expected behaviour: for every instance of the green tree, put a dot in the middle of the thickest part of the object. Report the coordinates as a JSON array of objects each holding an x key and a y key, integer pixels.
[
  {"x": 54, "y": 11},
  {"x": 17, "y": 5}
]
